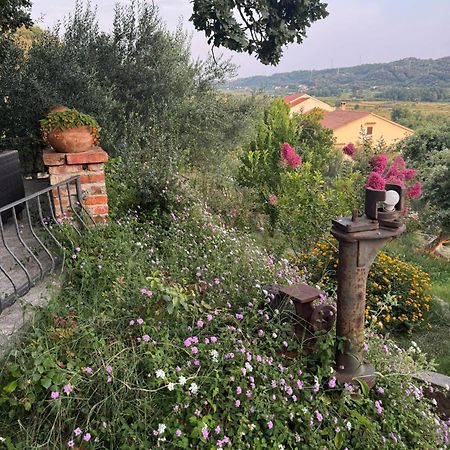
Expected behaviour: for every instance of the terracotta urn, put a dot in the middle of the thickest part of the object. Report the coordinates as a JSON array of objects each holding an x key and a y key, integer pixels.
[{"x": 71, "y": 140}]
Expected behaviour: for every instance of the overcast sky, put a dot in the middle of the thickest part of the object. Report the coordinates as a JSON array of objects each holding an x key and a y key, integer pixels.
[{"x": 355, "y": 32}]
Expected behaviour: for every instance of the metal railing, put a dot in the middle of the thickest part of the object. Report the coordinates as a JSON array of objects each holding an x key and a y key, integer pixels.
[{"x": 29, "y": 247}]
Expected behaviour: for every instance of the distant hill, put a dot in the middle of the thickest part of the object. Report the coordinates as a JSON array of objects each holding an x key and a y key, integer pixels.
[{"x": 406, "y": 79}]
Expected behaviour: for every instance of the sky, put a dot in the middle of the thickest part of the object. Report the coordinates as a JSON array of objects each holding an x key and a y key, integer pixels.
[{"x": 355, "y": 32}]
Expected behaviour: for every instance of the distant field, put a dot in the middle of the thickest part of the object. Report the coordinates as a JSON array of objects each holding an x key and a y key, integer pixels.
[{"x": 384, "y": 107}]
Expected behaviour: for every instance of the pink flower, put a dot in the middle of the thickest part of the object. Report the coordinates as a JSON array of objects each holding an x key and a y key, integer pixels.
[
  {"x": 237, "y": 403},
  {"x": 378, "y": 406},
  {"x": 77, "y": 431},
  {"x": 194, "y": 350},
  {"x": 87, "y": 437},
  {"x": 140, "y": 321},
  {"x": 332, "y": 383},
  {"x": 87, "y": 370},
  {"x": 213, "y": 339},
  {"x": 233, "y": 212},
  {"x": 187, "y": 342},
  {"x": 54, "y": 395},
  {"x": 178, "y": 433},
  {"x": 415, "y": 190},
  {"x": 319, "y": 416},
  {"x": 108, "y": 379},
  {"x": 200, "y": 323},
  {"x": 380, "y": 390},
  {"x": 375, "y": 181},
  {"x": 269, "y": 424},
  {"x": 205, "y": 432},
  {"x": 70, "y": 443},
  {"x": 238, "y": 390},
  {"x": 146, "y": 337},
  {"x": 108, "y": 369},
  {"x": 409, "y": 174},
  {"x": 272, "y": 199},
  {"x": 288, "y": 157},
  {"x": 379, "y": 163},
  {"x": 349, "y": 149},
  {"x": 131, "y": 323},
  {"x": 209, "y": 317},
  {"x": 67, "y": 388}
]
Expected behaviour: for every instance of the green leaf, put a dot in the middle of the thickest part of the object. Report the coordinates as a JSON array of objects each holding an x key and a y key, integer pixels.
[
  {"x": 362, "y": 420},
  {"x": 339, "y": 439},
  {"x": 46, "y": 382},
  {"x": 10, "y": 387},
  {"x": 364, "y": 386}
]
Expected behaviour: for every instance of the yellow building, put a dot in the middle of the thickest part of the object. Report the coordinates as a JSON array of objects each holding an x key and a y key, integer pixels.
[
  {"x": 303, "y": 103},
  {"x": 349, "y": 126}
]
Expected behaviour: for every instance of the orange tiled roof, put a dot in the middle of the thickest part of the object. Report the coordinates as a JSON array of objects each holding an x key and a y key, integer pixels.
[{"x": 338, "y": 118}]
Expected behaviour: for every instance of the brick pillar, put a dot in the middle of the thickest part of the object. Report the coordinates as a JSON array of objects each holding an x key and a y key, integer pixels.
[{"x": 90, "y": 166}]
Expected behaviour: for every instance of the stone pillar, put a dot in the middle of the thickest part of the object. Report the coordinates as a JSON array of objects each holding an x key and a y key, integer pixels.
[{"x": 90, "y": 167}]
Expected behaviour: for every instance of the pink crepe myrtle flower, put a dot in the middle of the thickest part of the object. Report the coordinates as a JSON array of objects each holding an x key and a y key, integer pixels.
[
  {"x": 375, "y": 181},
  {"x": 415, "y": 190},
  {"x": 409, "y": 174},
  {"x": 349, "y": 149},
  {"x": 379, "y": 163},
  {"x": 288, "y": 157},
  {"x": 54, "y": 395}
]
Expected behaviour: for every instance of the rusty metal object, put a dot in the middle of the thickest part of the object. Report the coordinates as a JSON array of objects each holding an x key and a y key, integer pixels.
[
  {"x": 358, "y": 246},
  {"x": 310, "y": 318}
]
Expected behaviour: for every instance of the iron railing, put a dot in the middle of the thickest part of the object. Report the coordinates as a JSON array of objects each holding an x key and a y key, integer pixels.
[{"x": 29, "y": 247}]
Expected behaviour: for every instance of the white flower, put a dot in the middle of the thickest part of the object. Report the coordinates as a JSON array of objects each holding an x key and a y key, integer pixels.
[
  {"x": 182, "y": 380},
  {"x": 274, "y": 335},
  {"x": 171, "y": 386},
  {"x": 215, "y": 355},
  {"x": 160, "y": 374},
  {"x": 349, "y": 425},
  {"x": 193, "y": 388},
  {"x": 249, "y": 367},
  {"x": 161, "y": 428}
]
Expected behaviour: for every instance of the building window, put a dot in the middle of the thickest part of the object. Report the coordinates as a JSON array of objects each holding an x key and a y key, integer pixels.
[{"x": 369, "y": 131}]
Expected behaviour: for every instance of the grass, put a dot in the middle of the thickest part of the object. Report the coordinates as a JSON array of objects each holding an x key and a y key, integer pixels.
[{"x": 433, "y": 340}]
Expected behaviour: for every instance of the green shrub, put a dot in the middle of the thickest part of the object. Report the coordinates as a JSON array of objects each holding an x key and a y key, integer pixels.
[{"x": 398, "y": 293}]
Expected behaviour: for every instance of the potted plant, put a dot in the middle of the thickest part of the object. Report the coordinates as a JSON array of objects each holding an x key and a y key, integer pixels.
[{"x": 70, "y": 131}]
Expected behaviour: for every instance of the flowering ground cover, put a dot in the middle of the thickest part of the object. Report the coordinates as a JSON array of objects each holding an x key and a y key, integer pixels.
[{"x": 163, "y": 337}]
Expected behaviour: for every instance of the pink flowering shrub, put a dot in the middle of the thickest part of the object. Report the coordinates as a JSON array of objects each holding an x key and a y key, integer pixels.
[{"x": 396, "y": 174}]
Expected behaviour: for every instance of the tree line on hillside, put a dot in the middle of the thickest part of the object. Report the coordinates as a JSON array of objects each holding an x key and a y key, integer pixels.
[{"x": 407, "y": 79}]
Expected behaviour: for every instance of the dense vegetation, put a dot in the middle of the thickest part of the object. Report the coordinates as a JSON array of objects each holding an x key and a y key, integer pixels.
[
  {"x": 163, "y": 334},
  {"x": 407, "y": 79}
]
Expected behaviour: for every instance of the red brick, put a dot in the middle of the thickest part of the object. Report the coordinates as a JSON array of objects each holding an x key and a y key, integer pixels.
[
  {"x": 52, "y": 158},
  {"x": 55, "y": 179},
  {"x": 96, "y": 155},
  {"x": 96, "y": 200},
  {"x": 95, "y": 189},
  {"x": 77, "y": 168},
  {"x": 92, "y": 178},
  {"x": 96, "y": 167},
  {"x": 98, "y": 210}
]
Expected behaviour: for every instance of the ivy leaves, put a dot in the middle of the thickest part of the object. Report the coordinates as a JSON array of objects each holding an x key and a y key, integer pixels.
[{"x": 256, "y": 26}]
